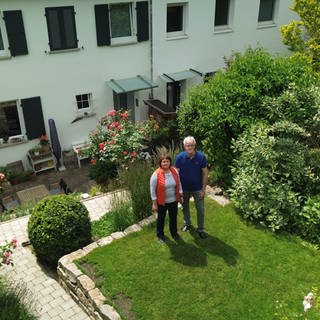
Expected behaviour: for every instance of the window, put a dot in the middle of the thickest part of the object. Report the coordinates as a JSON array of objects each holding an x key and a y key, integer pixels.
[
  {"x": 176, "y": 15},
  {"x": 120, "y": 23},
  {"x": 121, "y": 20},
  {"x": 266, "y": 10},
  {"x": 221, "y": 17},
  {"x": 84, "y": 101},
  {"x": 61, "y": 28},
  {"x": 9, "y": 119}
]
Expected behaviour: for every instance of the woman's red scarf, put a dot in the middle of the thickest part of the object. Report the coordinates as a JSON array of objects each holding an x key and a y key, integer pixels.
[{"x": 161, "y": 185}]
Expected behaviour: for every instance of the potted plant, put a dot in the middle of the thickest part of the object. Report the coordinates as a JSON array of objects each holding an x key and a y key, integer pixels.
[
  {"x": 24, "y": 176},
  {"x": 44, "y": 143},
  {"x": 36, "y": 149}
]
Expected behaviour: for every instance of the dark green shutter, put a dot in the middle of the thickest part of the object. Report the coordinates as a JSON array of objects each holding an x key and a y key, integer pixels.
[
  {"x": 61, "y": 24},
  {"x": 102, "y": 24},
  {"x": 142, "y": 20},
  {"x": 15, "y": 31},
  {"x": 33, "y": 117}
]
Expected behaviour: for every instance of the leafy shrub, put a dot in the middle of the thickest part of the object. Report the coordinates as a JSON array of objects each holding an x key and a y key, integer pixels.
[
  {"x": 172, "y": 150},
  {"x": 159, "y": 132},
  {"x": 137, "y": 180},
  {"x": 7, "y": 172},
  {"x": 308, "y": 220},
  {"x": 20, "y": 211},
  {"x": 312, "y": 188},
  {"x": 296, "y": 104},
  {"x": 231, "y": 101},
  {"x": 15, "y": 302},
  {"x": 270, "y": 174},
  {"x": 58, "y": 225},
  {"x": 122, "y": 212},
  {"x": 104, "y": 226},
  {"x": 102, "y": 171},
  {"x": 117, "y": 219}
]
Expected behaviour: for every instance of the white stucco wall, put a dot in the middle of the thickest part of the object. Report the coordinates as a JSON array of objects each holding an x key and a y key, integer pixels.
[{"x": 58, "y": 77}]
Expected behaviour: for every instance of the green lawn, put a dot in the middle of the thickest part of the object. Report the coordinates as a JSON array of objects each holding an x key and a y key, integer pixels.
[{"x": 238, "y": 272}]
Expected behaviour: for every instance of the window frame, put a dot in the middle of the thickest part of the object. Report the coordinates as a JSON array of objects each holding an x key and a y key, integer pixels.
[
  {"x": 62, "y": 33},
  {"x": 272, "y": 21},
  {"x": 227, "y": 17},
  {"x": 20, "y": 116},
  {"x": 183, "y": 32},
  {"x": 90, "y": 102},
  {"x": 5, "y": 53},
  {"x": 133, "y": 24},
  {"x": 226, "y": 27}
]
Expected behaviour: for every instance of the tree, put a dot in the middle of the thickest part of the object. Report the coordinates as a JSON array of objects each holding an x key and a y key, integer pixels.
[
  {"x": 247, "y": 92},
  {"x": 303, "y": 36}
]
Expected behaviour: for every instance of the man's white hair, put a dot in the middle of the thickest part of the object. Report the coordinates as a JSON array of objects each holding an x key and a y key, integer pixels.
[{"x": 190, "y": 140}]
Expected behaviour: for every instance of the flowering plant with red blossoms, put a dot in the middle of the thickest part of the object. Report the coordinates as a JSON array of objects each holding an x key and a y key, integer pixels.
[
  {"x": 6, "y": 251},
  {"x": 115, "y": 139},
  {"x": 3, "y": 179}
]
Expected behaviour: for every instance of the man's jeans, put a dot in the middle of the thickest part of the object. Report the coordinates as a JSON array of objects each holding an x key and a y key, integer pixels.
[{"x": 199, "y": 203}]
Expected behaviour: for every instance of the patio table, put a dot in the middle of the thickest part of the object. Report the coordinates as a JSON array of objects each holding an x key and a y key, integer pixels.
[{"x": 32, "y": 194}]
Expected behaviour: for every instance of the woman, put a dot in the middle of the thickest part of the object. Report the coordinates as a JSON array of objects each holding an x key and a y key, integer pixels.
[{"x": 166, "y": 191}]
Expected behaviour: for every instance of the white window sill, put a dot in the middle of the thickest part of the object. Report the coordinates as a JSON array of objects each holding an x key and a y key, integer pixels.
[
  {"x": 5, "y": 55},
  {"x": 84, "y": 111},
  {"x": 176, "y": 37},
  {"x": 222, "y": 29},
  {"x": 11, "y": 144},
  {"x": 266, "y": 24},
  {"x": 62, "y": 51},
  {"x": 123, "y": 41}
]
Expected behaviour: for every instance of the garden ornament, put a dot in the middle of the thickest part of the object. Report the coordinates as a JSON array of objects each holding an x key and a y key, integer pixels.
[{"x": 307, "y": 301}]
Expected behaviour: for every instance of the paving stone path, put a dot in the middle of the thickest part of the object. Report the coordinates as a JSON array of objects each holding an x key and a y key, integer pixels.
[{"x": 50, "y": 301}]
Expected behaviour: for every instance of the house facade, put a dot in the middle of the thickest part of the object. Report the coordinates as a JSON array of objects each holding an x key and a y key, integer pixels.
[{"x": 73, "y": 61}]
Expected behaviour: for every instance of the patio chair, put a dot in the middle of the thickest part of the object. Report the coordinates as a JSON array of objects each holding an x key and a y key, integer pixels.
[
  {"x": 77, "y": 147},
  {"x": 68, "y": 158}
]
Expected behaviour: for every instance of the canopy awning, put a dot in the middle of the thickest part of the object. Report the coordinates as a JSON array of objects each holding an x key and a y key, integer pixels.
[
  {"x": 161, "y": 107},
  {"x": 131, "y": 84},
  {"x": 182, "y": 75}
]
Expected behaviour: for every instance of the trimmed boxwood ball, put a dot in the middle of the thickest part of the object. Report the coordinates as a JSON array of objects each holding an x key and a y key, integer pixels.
[{"x": 57, "y": 226}]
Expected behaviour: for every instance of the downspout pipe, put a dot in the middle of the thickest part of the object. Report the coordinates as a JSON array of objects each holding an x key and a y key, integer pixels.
[{"x": 151, "y": 48}]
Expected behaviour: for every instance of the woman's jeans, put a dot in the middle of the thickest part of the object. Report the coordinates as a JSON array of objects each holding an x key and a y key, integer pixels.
[
  {"x": 199, "y": 203},
  {"x": 172, "y": 209}
]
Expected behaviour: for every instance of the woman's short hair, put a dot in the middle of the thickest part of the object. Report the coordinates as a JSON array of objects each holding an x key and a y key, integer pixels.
[
  {"x": 189, "y": 140},
  {"x": 164, "y": 156}
]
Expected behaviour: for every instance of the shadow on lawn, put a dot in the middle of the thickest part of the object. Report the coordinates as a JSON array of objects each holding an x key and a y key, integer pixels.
[
  {"x": 216, "y": 247},
  {"x": 187, "y": 254}
]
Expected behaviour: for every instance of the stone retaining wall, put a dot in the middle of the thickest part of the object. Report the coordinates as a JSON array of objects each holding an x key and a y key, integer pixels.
[{"x": 81, "y": 288}]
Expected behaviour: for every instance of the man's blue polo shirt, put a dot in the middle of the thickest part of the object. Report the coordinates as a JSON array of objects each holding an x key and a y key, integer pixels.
[{"x": 190, "y": 170}]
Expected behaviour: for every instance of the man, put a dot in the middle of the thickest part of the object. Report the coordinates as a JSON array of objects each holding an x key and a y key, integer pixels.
[{"x": 192, "y": 166}]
